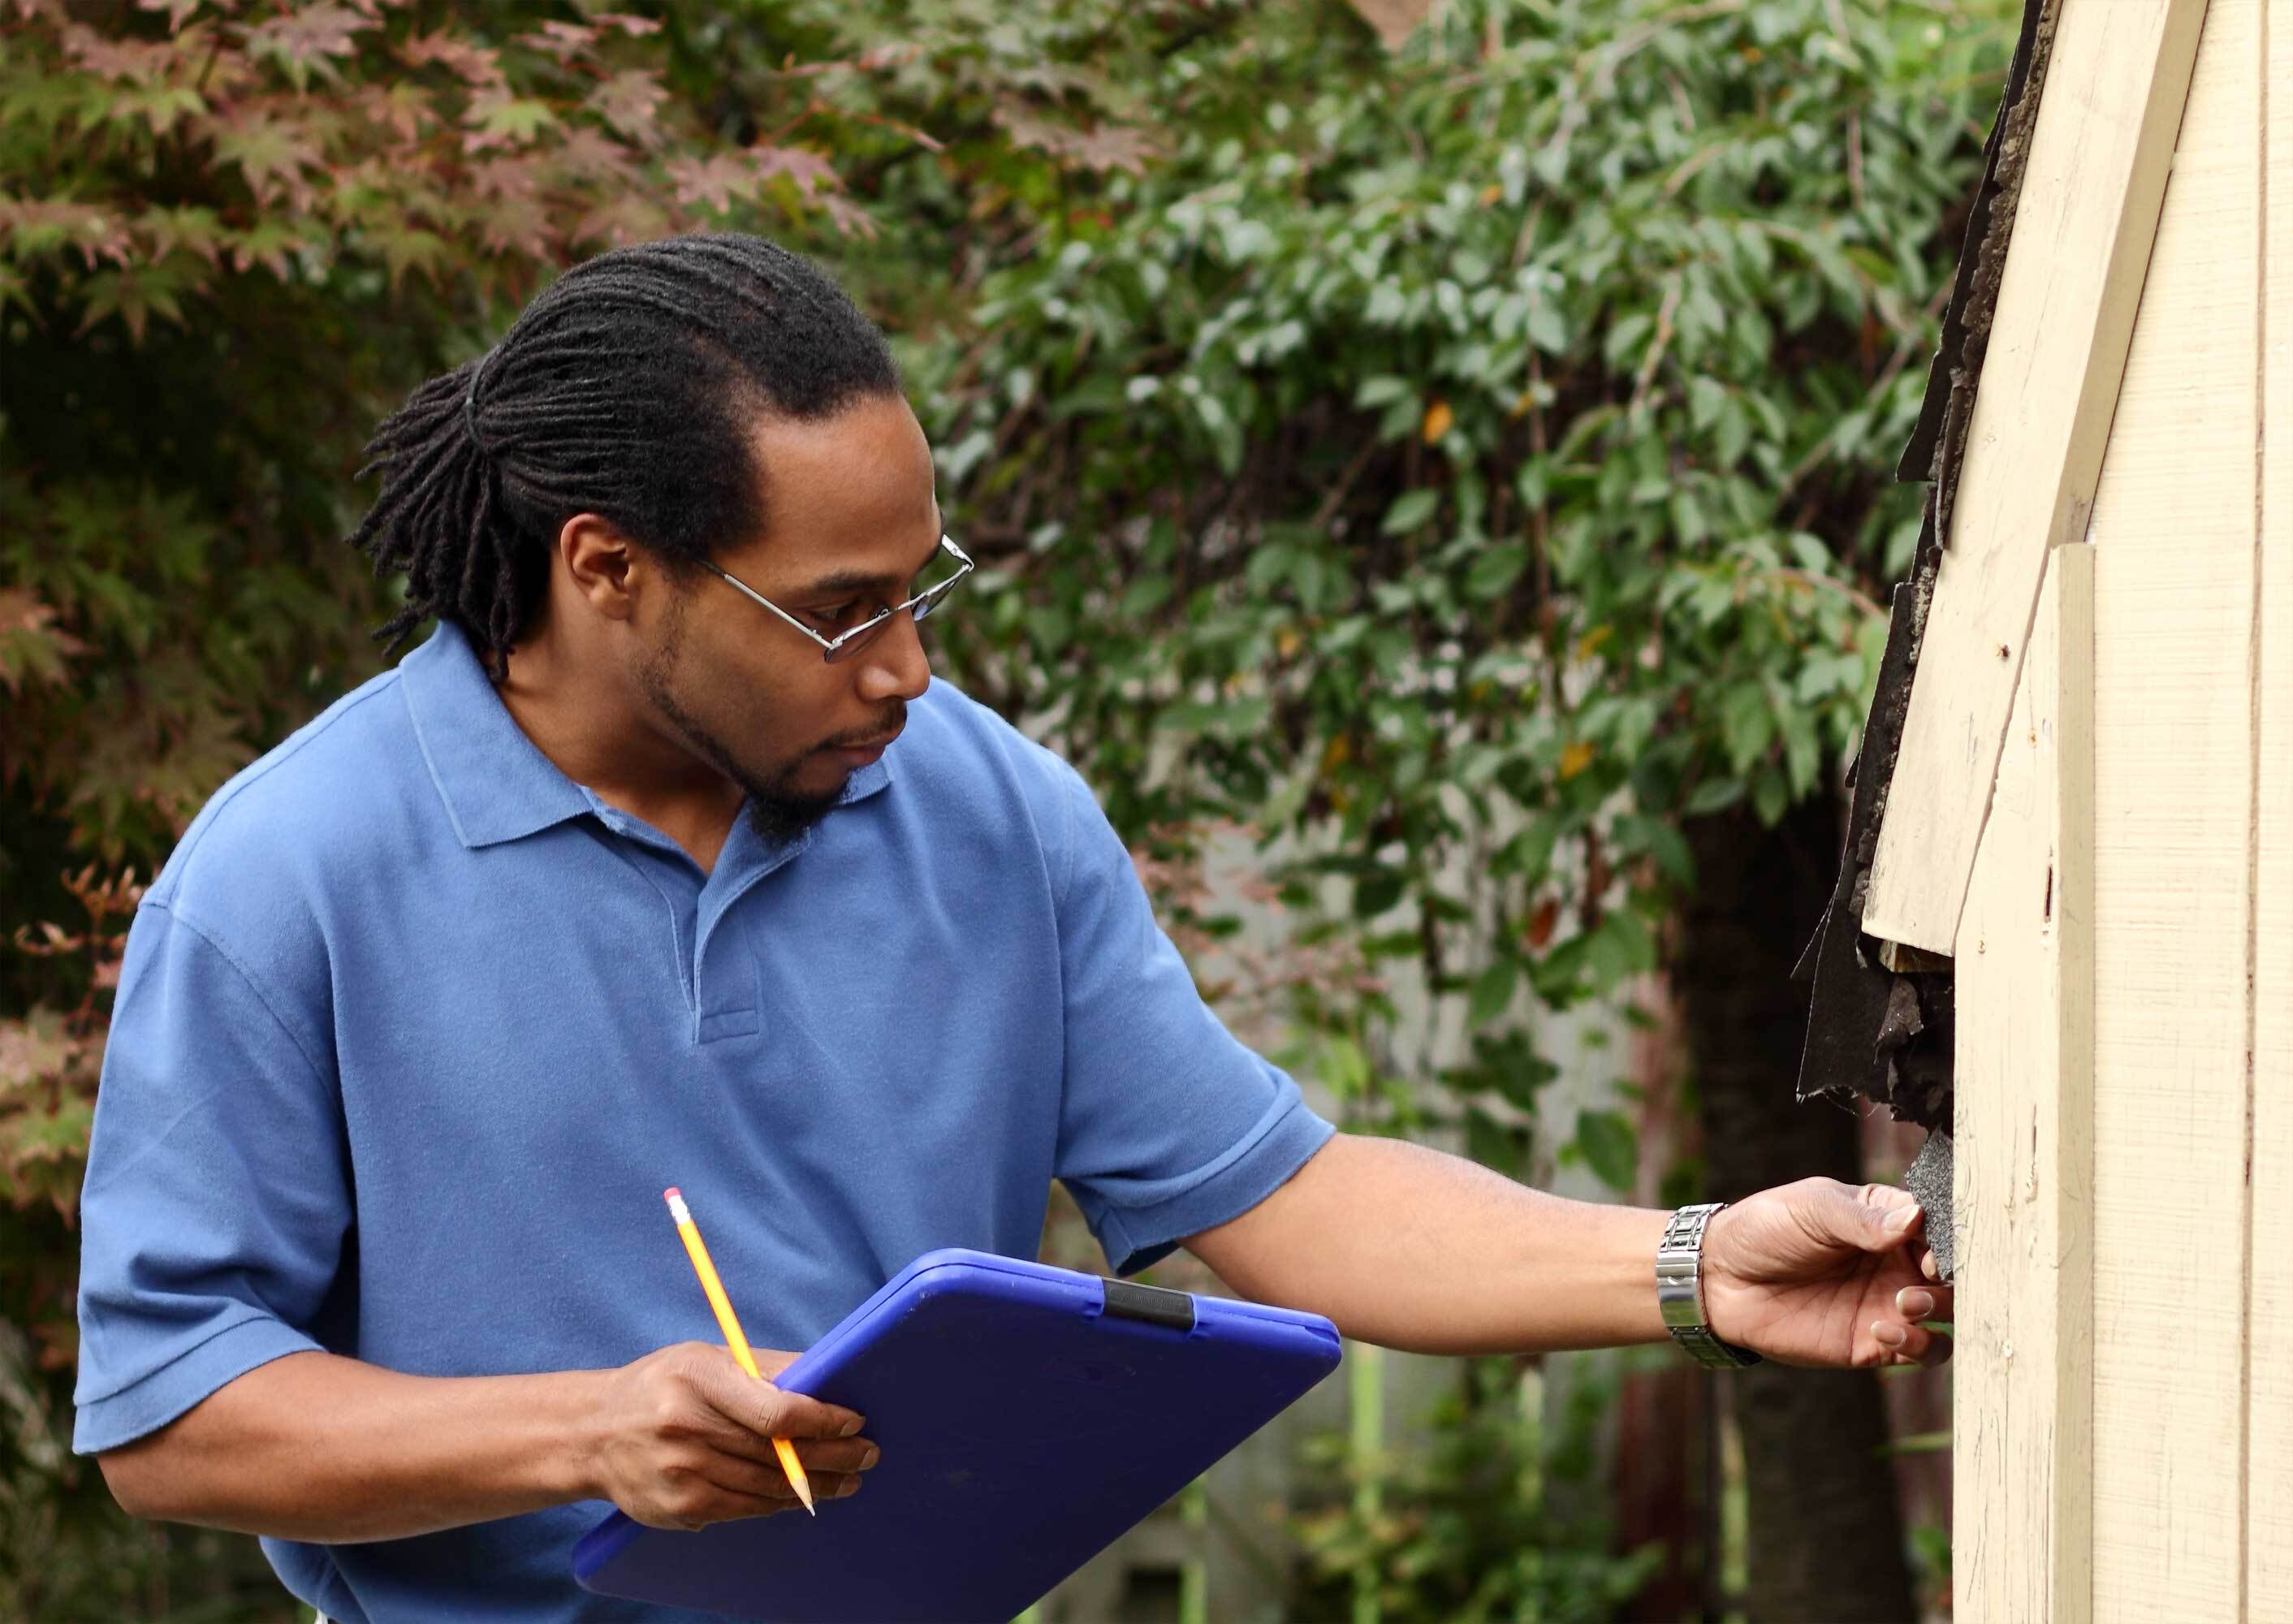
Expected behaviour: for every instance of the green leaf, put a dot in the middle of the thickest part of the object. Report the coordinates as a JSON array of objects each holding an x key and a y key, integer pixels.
[
  {"x": 1493, "y": 990},
  {"x": 1410, "y": 509},
  {"x": 519, "y": 121},
  {"x": 1373, "y": 895},
  {"x": 1529, "y": 853},
  {"x": 1494, "y": 1144},
  {"x": 1714, "y": 794},
  {"x": 1546, "y": 327},
  {"x": 1493, "y": 573},
  {"x": 1747, "y": 724},
  {"x": 1770, "y": 795},
  {"x": 1610, "y": 1147}
]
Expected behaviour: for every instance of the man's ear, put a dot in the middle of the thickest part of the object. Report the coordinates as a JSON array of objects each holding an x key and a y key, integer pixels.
[{"x": 606, "y": 568}]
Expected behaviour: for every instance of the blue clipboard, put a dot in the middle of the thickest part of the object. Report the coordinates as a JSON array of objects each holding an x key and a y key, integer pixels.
[{"x": 1027, "y": 1416}]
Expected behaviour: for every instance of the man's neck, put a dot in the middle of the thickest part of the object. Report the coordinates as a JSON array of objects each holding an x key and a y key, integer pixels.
[{"x": 593, "y": 733}]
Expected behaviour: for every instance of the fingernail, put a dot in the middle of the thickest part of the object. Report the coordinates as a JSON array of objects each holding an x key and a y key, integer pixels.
[
  {"x": 849, "y": 1486},
  {"x": 850, "y": 1427},
  {"x": 871, "y": 1457},
  {"x": 1887, "y": 1336},
  {"x": 1903, "y": 1218},
  {"x": 1915, "y": 1304}
]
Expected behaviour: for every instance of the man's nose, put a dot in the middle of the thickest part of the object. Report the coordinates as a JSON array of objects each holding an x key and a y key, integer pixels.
[{"x": 896, "y": 665}]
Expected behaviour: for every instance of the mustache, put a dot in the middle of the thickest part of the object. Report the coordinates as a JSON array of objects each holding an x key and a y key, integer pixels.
[{"x": 892, "y": 720}]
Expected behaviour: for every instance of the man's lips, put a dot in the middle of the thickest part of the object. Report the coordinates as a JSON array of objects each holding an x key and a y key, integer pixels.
[{"x": 866, "y": 750}]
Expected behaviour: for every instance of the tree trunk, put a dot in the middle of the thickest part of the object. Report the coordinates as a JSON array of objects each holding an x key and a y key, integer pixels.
[{"x": 1826, "y": 1526}]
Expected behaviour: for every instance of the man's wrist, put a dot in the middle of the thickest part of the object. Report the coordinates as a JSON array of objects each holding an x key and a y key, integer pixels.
[
  {"x": 576, "y": 1470},
  {"x": 1680, "y": 1297}
]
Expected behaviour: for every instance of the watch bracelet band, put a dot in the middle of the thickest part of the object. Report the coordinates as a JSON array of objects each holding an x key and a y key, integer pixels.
[{"x": 1680, "y": 1291}]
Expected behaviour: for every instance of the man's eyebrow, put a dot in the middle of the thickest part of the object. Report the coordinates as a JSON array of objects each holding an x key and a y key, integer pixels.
[{"x": 860, "y": 581}]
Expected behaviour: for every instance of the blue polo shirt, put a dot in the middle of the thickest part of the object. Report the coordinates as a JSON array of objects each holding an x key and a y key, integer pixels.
[{"x": 413, "y": 1030}]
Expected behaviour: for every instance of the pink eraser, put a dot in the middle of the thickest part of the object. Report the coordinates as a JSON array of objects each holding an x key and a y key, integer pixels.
[{"x": 669, "y": 1194}]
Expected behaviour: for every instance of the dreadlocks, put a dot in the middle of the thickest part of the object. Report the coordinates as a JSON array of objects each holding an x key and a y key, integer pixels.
[{"x": 627, "y": 389}]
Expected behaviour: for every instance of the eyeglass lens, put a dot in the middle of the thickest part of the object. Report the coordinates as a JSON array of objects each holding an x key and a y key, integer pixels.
[{"x": 928, "y": 598}]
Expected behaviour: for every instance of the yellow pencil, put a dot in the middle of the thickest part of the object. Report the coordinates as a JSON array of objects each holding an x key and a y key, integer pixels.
[{"x": 731, "y": 1326}]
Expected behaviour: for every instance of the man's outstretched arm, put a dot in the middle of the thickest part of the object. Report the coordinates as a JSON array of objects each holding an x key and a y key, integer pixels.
[
  {"x": 1415, "y": 1249},
  {"x": 313, "y": 1446}
]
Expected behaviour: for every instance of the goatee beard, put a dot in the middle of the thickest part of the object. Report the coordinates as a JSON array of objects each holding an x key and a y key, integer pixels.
[
  {"x": 779, "y": 819},
  {"x": 775, "y": 814}
]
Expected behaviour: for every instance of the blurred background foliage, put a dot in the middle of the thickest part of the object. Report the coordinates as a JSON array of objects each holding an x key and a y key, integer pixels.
[{"x": 1457, "y": 455}]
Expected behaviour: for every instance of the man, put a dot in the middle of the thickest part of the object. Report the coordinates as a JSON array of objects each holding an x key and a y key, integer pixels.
[{"x": 665, "y": 861}]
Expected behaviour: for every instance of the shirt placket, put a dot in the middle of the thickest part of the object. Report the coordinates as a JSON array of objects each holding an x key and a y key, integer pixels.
[{"x": 724, "y": 977}]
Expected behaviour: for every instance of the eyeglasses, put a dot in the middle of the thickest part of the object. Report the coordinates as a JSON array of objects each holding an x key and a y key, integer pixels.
[{"x": 850, "y": 642}]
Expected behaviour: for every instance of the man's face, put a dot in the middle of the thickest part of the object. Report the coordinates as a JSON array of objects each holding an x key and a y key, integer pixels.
[{"x": 852, "y": 523}]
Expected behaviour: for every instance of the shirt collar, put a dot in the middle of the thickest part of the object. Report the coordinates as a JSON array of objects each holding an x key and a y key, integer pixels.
[{"x": 495, "y": 782}]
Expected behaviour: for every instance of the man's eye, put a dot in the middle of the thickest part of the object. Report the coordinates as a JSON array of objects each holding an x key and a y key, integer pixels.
[{"x": 836, "y": 614}]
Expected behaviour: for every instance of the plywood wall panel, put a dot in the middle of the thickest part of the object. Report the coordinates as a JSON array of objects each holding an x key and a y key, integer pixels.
[{"x": 2175, "y": 529}]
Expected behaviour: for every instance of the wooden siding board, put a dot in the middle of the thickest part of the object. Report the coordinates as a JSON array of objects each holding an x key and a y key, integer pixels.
[
  {"x": 2174, "y": 534},
  {"x": 2270, "y": 1399},
  {"x": 2021, "y": 1541},
  {"x": 2084, "y": 222}
]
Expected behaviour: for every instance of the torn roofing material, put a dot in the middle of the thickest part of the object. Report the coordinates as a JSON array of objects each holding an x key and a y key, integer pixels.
[{"x": 1880, "y": 1026}]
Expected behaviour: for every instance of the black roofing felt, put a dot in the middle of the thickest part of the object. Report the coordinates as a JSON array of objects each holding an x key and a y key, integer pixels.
[{"x": 1874, "y": 1033}]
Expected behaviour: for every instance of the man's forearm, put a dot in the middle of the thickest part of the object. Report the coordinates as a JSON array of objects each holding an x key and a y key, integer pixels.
[
  {"x": 320, "y": 1448},
  {"x": 1413, "y": 1249}
]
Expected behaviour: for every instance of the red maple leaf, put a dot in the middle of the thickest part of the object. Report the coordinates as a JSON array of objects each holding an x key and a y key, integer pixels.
[
  {"x": 565, "y": 41},
  {"x": 716, "y": 182},
  {"x": 399, "y": 110},
  {"x": 629, "y": 101},
  {"x": 272, "y": 152},
  {"x": 176, "y": 11},
  {"x": 306, "y": 37},
  {"x": 587, "y": 154},
  {"x": 34, "y": 225},
  {"x": 1110, "y": 146},
  {"x": 848, "y": 216},
  {"x": 476, "y": 65},
  {"x": 623, "y": 217},
  {"x": 120, "y": 60},
  {"x": 501, "y": 180},
  {"x": 801, "y": 165},
  {"x": 519, "y": 226}
]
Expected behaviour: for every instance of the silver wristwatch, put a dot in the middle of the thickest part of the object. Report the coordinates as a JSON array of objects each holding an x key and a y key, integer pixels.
[{"x": 1680, "y": 1292}]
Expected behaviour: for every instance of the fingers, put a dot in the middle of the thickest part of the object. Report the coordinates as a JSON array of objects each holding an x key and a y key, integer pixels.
[
  {"x": 1891, "y": 1216},
  {"x": 1924, "y": 1301},
  {"x": 780, "y": 1414},
  {"x": 740, "y": 1476},
  {"x": 685, "y": 1440},
  {"x": 840, "y": 1455},
  {"x": 702, "y": 1499},
  {"x": 1871, "y": 1218},
  {"x": 765, "y": 1410},
  {"x": 1908, "y": 1344}
]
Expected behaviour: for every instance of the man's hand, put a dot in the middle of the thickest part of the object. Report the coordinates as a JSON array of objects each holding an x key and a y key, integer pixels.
[
  {"x": 1820, "y": 1272},
  {"x": 685, "y": 1438}
]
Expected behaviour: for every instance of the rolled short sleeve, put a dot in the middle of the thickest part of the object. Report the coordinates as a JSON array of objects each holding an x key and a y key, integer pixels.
[
  {"x": 217, "y": 1200},
  {"x": 1168, "y": 1124}
]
